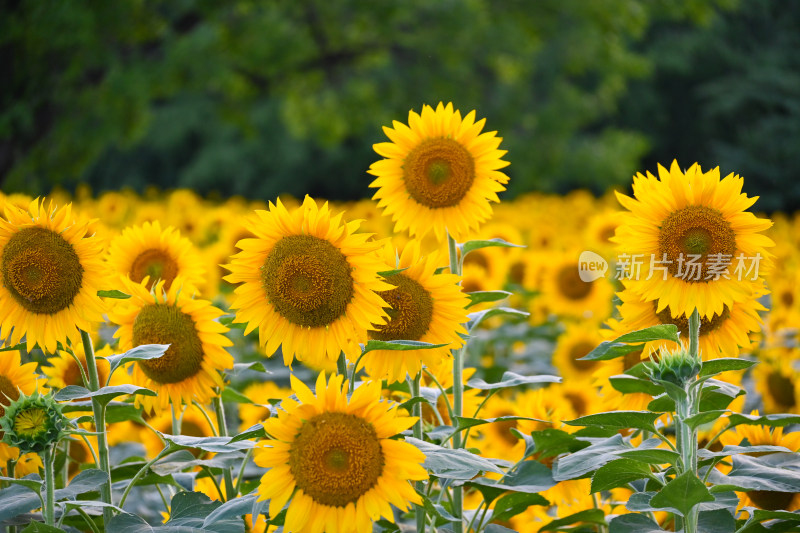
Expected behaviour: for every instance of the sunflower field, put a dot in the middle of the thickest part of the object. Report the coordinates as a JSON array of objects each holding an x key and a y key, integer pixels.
[{"x": 431, "y": 359}]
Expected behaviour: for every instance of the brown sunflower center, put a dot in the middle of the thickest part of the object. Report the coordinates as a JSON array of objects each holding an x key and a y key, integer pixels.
[
  {"x": 578, "y": 350},
  {"x": 631, "y": 359},
  {"x": 439, "y": 172},
  {"x": 787, "y": 298},
  {"x": 158, "y": 264},
  {"x": 707, "y": 325},
  {"x": 781, "y": 389},
  {"x": 570, "y": 285},
  {"x": 166, "y": 324},
  {"x": 8, "y": 393},
  {"x": 307, "y": 280},
  {"x": 41, "y": 270},
  {"x": 516, "y": 273},
  {"x": 699, "y": 231},
  {"x": 578, "y": 402},
  {"x": 770, "y": 500},
  {"x": 504, "y": 427},
  {"x": 336, "y": 458},
  {"x": 410, "y": 310}
]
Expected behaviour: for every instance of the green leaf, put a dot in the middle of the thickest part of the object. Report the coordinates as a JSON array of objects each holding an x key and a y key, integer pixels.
[
  {"x": 229, "y": 394},
  {"x": 139, "y": 353},
  {"x": 119, "y": 295},
  {"x": 621, "y": 345},
  {"x": 553, "y": 442},
  {"x": 470, "y": 246},
  {"x": 761, "y": 515},
  {"x": 390, "y": 273},
  {"x": 401, "y": 345},
  {"x": 775, "y": 421},
  {"x": 16, "y": 500},
  {"x": 452, "y": 464},
  {"x": 105, "y": 394},
  {"x": 234, "y": 508},
  {"x": 682, "y": 493},
  {"x": 17, "y": 347},
  {"x": 437, "y": 511},
  {"x": 727, "y": 450},
  {"x": 253, "y": 432},
  {"x": 629, "y": 385},
  {"x": 178, "y": 462},
  {"x": 589, "y": 459},
  {"x": 655, "y": 456},
  {"x": 591, "y": 516},
  {"x": 209, "y": 444},
  {"x": 510, "y": 379},
  {"x": 529, "y": 477},
  {"x": 464, "y": 422},
  {"x": 776, "y": 472},
  {"x": 38, "y": 527},
  {"x": 716, "y": 521},
  {"x": 643, "y": 420},
  {"x": 86, "y": 481},
  {"x": 724, "y": 364},
  {"x": 408, "y": 405},
  {"x": 704, "y": 418},
  {"x": 33, "y": 484},
  {"x": 618, "y": 473},
  {"x": 189, "y": 511},
  {"x": 633, "y": 523},
  {"x": 479, "y": 297},
  {"x": 255, "y": 366},
  {"x": 515, "y": 503},
  {"x": 479, "y": 316}
]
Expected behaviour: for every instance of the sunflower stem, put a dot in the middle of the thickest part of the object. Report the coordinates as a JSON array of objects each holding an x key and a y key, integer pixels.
[
  {"x": 49, "y": 483},
  {"x": 223, "y": 432},
  {"x": 65, "y": 468},
  {"x": 341, "y": 365},
  {"x": 99, "y": 410},
  {"x": 685, "y": 409},
  {"x": 418, "y": 485},
  {"x": 458, "y": 392}
]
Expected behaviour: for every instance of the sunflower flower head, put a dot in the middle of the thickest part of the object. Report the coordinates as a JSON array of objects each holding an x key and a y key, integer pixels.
[
  {"x": 439, "y": 172},
  {"x": 32, "y": 423},
  {"x": 335, "y": 458}
]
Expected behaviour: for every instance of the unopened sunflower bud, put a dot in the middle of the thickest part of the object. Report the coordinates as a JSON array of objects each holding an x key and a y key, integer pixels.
[
  {"x": 32, "y": 423},
  {"x": 678, "y": 367}
]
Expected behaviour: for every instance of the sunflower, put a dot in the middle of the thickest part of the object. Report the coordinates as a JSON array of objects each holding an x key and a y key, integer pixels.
[
  {"x": 335, "y": 458},
  {"x": 576, "y": 342},
  {"x": 190, "y": 369},
  {"x": 721, "y": 335},
  {"x": 424, "y": 307},
  {"x": 777, "y": 381},
  {"x": 711, "y": 251},
  {"x": 64, "y": 370},
  {"x": 51, "y": 273},
  {"x": 440, "y": 172},
  {"x": 260, "y": 394},
  {"x": 567, "y": 295},
  {"x": 14, "y": 377},
  {"x": 147, "y": 251},
  {"x": 192, "y": 421},
  {"x": 308, "y": 282}
]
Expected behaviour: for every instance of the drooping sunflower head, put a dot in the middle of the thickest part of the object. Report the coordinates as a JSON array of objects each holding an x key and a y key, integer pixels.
[
  {"x": 332, "y": 455},
  {"x": 440, "y": 172},
  {"x": 308, "y": 282},
  {"x": 422, "y": 306},
  {"x": 190, "y": 368},
  {"x": 147, "y": 251},
  {"x": 51, "y": 272},
  {"x": 32, "y": 423},
  {"x": 696, "y": 245}
]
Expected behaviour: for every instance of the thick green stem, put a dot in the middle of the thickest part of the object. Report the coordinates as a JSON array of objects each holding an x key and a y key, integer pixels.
[
  {"x": 458, "y": 393},
  {"x": 50, "y": 486},
  {"x": 690, "y": 406},
  {"x": 99, "y": 410},
  {"x": 230, "y": 491},
  {"x": 419, "y": 485}
]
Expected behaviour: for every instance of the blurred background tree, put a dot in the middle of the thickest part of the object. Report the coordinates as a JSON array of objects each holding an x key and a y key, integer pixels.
[{"x": 260, "y": 98}]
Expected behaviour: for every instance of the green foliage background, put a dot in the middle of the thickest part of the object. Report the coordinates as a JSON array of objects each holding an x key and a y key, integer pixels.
[{"x": 266, "y": 97}]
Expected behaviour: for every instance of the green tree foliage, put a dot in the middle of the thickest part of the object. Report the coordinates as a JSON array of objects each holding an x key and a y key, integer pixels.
[{"x": 261, "y": 98}]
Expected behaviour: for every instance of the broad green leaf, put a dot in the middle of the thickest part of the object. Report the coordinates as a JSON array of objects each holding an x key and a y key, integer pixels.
[
  {"x": 253, "y": 432},
  {"x": 464, "y": 422},
  {"x": 408, "y": 405},
  {"x": 515, "y": 503},
  {"x": 655, "y": 456},
  {"x": 510, "y": 379},
  {"x": 629, "y": 384},
  {"x": 16, "y": 347},
  {"x": 704, "y": 418},
  {"x": 591, "y": 516},
  {"x": 724, "y": 364},
  {"x": 617, "y": 347},
  {"x": 33, "y": 484},
  {"x": 761, "y": 515},
  {"x": 682, "y": 493},
  {"x": 234, "y": 508},
  {"x": 643, "y": 420},
  {"x": 38, "y": 527},
  {"x": 139, "y": 353},
  {"x": 390, "y": 273},
  {"x": 119, "y": 295},
  {"x": 618, "y": 473},
  {"x": 776, "y": 472},
  {"x": 86, "y": 481},
  {"x": 255, "y": 366},
  {"x": 704, "y": 453},
  {"x": 633, "y": 523},
  {"x": 401, "y": 345},
  {"x": 717, "y": 521},
  {"x": 231, "y": 395},
  {"x": 178, "y": 463},
  {"x": 440, "y": 514},
  {"x": 608, "y": 350},
  {"x": 470, "y": 246},
  {"x": 589, "y": 459},
  {"x": 105, "y": 394},
  {"x": 189, "y": 512},
  {"x": 452, "y": 464},
  {"x": 479, "y": 316},
  {"x": 480, "y": 297},
  {"x": 209, "y": 444},
  {"x": 16, "y": 500},
  {"x": 775, "y": 421},
  {"x": 529, "y": 477},
  {"x": 553, "y": 442}
]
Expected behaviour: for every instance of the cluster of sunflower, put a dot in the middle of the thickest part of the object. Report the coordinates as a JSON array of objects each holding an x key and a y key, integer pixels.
[{"x": 379, "y": 327}]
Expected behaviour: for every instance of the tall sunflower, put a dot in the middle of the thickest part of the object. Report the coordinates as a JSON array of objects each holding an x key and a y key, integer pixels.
[
  {"x": 698, "y": 218},
  {"x": 309, "y": 282},
  {"x": 335, "y": 458},
  {"x": 190, "y": 368},
  {"x": 14, "y": 377},
  {"x": 64, "y": 370},
  {"x": 51, "y": 272},
  {"x": 147, "y": 251},
  {"x": 440, "y": 172},
  {"x": 423, "y": 306}
]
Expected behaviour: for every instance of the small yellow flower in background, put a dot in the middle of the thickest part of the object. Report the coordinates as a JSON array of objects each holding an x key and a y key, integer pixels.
[
  {"x": 51, "y": 272},
  {"x": 707, "y": 251},
  {"x": 147, "y": 251},
  {"x": 440, "y": 172},
  {"x": 190, "y": 368},
  {"x": 334, "y": 458},
  {"x": 308, "y": 283},
  {"x": 423, "y": 306}
]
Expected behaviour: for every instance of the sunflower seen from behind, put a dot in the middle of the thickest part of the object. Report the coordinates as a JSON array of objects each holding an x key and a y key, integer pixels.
[
  {"x": 335, "y": 459},
  {"x": 423, "y": 306},
  {"x": 190, "y": 368},
  {"x": 698, "y": 245},
  {"x": 309, "y": 283},
  {"x": 51, "y": 271},
  {"x": 439, "y": 172}
]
